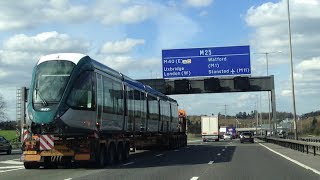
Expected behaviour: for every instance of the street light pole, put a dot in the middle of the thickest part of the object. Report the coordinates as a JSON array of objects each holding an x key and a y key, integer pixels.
[
  {"x": 292, "y": 78},
  {"x": 269, "y": 116}
]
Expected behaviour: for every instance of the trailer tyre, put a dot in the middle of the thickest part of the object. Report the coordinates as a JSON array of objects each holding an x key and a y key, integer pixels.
[
  {"x": 120, "y": 153},
  {"x": 111, "y": 155},
  {"x": 100, "y": 161},
  {"x": 126, "y": 151},
  {"x": 31, "y": 165}
]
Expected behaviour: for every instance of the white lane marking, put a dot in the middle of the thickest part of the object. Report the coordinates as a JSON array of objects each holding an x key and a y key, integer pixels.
[
  {"x": 158, "y": 155},
  {"x": 218, "y": 154},
  {"x": 176, "y": 150},
  {"x": 223, "y": 149},
  {"x": 11, "y": 170},
  {"x": 128, "y": 163},
  {"x": 194, "y": 178},
  {"x": 11, "y": 167},
  {"x": 68, "y": 179},
  {"x": 211, "y": 162},
  {"x": 11, "y": 162},
  {"x": 292, "y": 160},
  {"x": 195, "y": 141}
]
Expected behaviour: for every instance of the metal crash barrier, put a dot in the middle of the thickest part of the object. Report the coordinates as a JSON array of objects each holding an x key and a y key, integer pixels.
[{"x": 302, "y": 146}]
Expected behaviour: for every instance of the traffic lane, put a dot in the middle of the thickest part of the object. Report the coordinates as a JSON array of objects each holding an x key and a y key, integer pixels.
[
  {"x": 14, "y": 154},
  {"x": 15, "y": 171},
  {"x": 252, "y": 161},
  {"x": 184, "y": 163},
  {"x": 141, "y": 159}
]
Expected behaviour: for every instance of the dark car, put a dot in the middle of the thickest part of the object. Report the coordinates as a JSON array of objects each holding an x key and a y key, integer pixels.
[
  {"x": 246, "y": 137},
  {"x": 5, "y": 145}
]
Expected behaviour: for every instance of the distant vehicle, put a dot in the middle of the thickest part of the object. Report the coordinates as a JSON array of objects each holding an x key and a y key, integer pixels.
[
  {"x": 246, "y": 137},
  {"x": 5, "y": 145},
  {"x": 227, "y": 136},
  {"x": 282, "y": 134},
  {"x": 210, "y": 128}
]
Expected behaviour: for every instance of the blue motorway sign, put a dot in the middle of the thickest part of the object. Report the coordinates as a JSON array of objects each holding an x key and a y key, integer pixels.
[{"x": 211, "y": 61}]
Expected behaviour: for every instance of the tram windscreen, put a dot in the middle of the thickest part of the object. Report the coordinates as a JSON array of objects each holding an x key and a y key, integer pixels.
[{"x": 51, "y": 79}]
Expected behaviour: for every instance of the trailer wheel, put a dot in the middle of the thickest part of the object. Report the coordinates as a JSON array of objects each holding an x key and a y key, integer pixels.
[
  {"x": 100, "y": 160},
  {"x": 31, "y": 165},
  {"x": 110, "y": 155},
  {"x": 126, "y": 151},
  {"x": 120, "y": 152}
]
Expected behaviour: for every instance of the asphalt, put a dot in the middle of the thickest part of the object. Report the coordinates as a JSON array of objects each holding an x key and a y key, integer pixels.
[
  {"x": 211, "y": 160},
  {"x": 303, "y": 159}
]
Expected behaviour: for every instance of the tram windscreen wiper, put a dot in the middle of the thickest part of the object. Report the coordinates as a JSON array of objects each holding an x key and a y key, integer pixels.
[{"x": 44, "y": 102}]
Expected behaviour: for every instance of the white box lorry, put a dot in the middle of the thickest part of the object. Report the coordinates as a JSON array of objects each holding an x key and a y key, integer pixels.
[{"x": 210, "y": 128}]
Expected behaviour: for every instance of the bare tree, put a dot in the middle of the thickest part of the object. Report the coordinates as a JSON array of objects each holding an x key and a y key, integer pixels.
[{"x": 3, "y": 105}]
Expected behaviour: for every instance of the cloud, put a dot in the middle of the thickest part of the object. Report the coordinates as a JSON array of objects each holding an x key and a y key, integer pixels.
[
  {"x": 20, "y": 48},
  {"x": 309, "y": 65},
  {"x": 271, "y": 33},
  {"x": 112, "y": 12},
  {"x": 19, "y": 54},
  {"x": 131, "y": 66},
  {"x": 124, "y": 46},
  {"x": 270, "y": 24},
  {"x": 199, "y": 3},
  {"x": 26, "y": 14}
]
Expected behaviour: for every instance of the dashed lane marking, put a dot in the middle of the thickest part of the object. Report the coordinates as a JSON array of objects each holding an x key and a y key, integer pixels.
[
  {"x": 219, "y": 154},
  {"x": 14, "y": 161},
  {"x": 223, "y": 149},
  {"x": 292, "y": 160},
  {"x": 11, "y": 167},
  {"x": 11, "y": 170},
  {"x": 194, "y": 178},
  {"x": 176, "y": 150},
  {"x": 128, "y": 163},
  {"x": 158, "y": 155},
  {"x": 211, "y": 162}
]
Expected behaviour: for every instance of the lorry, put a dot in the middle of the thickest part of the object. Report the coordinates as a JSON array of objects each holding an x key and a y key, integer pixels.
[
  {"x": 210, "y": 128},
  {"x": 79, "y": 110}
]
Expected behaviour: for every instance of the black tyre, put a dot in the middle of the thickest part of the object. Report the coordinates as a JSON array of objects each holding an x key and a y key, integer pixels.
[
  {"x": 101, "y": 158},
  {"x": 110, "y": 155},
  {"x": 9, "y": 151},
  {"x": 119, "y": 154},
  {"x": 31, "y": 165},
  {"x": 126, "y": 151}
]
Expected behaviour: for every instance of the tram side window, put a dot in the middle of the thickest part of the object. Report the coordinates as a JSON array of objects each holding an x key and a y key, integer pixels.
[
  {"x": 153, "y": 108},
  {"x": 107, "y": 99},
  {"x": 81, "y": 93},
  {"x": 117, "y": 98},
  {"x": 137, "y": 104}
]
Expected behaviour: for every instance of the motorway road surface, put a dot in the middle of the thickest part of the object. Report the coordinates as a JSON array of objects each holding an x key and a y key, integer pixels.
[{"x": 212, "y": 160}]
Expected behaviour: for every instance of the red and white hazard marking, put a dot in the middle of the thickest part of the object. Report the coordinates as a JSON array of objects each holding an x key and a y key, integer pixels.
[
  {"x": 25, "y": 134},
  {"x": 46, "y": 142}
]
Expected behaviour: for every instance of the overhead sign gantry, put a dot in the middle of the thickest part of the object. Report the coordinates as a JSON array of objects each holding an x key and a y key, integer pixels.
[{"x": 210, "y": 70}]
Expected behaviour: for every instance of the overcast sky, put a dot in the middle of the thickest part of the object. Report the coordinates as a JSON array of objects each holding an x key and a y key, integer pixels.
[{"x": 129, "y": 35}]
